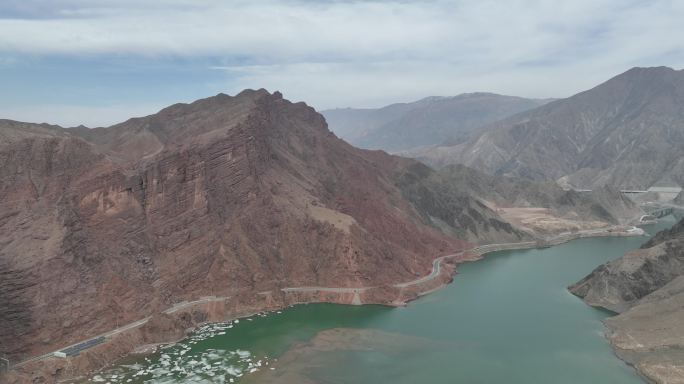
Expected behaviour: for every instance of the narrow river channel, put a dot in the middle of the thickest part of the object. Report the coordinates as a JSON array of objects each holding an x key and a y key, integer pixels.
[{"x": 505, "y": 319}]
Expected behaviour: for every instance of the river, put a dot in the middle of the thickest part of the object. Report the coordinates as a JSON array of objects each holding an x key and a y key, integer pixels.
[{"x": 505, "y": 319}]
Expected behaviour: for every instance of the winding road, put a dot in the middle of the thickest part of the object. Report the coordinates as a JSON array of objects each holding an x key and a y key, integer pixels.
[{"x": 436, "y": 270}]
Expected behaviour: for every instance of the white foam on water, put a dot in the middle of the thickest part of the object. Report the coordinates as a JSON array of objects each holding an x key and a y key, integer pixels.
[
  {"x": 178, "y": 363},
  {"x": 233, "y": 371}
]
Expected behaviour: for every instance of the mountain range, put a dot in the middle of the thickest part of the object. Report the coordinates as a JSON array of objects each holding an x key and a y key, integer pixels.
[
  {"x": 627, "y": 132},
  {"x": 233, "y": 196},
  {"x": 429, "y": 121}
]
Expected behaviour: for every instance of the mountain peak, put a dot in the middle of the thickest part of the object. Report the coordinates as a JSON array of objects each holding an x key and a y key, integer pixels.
[
  {"x": 647, "y": 76},
  {"x": 621, "y": 132},
  {"x": 187, "y": 124},
  {"x": 658, "y": 69},
  {"x": 253, "y": 93}
]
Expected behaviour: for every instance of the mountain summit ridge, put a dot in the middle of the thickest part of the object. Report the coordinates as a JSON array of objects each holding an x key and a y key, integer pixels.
[{"x": 627, "y": 132}]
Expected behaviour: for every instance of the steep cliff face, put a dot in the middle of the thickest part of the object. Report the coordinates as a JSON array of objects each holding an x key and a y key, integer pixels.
[
  {"x": 228, "y": 195},
  {"x": 646, "y": 287}
]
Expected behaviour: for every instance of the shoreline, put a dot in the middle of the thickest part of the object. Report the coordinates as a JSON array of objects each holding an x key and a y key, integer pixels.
[
  {"x": 123, "y": 341},
  {"x": 642, "y": 375}
]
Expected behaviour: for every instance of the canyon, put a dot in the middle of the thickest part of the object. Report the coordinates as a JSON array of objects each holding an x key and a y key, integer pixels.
[{"x": 233, "y": 196}]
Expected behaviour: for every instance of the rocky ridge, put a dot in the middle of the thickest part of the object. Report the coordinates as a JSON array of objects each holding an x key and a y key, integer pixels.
[
  {"x": 229, "y": 194},
  {"x": 627, "y": 133},
  {"x": 646, "y": 288}
]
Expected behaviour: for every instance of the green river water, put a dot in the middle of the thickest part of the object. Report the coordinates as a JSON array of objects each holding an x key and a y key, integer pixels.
[{"x": 505, "y": 319}]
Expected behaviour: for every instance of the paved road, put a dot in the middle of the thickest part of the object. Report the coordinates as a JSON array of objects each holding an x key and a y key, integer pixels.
[
  {"x": 326, "y": 289},
  {"x": 436, "y": 264},
  {"x": 436, "y": 269},
  {"x": 124, "y": 328}
]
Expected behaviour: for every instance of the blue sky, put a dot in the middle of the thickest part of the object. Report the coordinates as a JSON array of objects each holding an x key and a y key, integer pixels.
[{"x": 98, "y": 62}]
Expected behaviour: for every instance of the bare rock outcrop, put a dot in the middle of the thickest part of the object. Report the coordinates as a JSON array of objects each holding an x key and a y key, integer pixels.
[
  {"x": 646, "y": 288},
  {"x": 227, "y": 195}
]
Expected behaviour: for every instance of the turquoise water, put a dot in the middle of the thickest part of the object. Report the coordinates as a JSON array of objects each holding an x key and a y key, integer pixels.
[{"x": 505, "y": 319}]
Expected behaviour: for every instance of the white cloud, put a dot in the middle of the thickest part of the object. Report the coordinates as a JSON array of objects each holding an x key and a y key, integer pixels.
[{"x": 359, "y": 53}]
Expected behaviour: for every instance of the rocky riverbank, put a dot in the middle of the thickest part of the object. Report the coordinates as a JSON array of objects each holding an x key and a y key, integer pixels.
[{"x": 646, "y": 288}]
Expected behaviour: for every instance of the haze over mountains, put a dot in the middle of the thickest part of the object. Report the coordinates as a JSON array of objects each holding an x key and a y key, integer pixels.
[
  {"x": 429, "y": 121},
  {"x": 627, "y": 132}
]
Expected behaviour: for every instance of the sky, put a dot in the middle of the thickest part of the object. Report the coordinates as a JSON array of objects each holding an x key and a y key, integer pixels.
[{"x": 99, "y": 62}]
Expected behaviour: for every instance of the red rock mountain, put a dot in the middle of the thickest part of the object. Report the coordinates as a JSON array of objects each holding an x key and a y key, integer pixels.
[{"x": 227, "y": 195}]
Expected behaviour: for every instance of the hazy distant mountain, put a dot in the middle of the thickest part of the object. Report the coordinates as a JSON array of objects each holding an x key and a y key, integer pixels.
[
  {"x": 231, "y": 195},
  {"x": 429, "y": 121},
  {"x": 627, "y": 132}
]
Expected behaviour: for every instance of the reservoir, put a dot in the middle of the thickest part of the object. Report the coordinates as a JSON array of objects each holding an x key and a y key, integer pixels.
[{"x": 505, "y": 319}]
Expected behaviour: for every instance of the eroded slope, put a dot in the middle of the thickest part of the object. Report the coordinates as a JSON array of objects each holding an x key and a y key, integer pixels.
[{"x": 646, "y": 288}]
